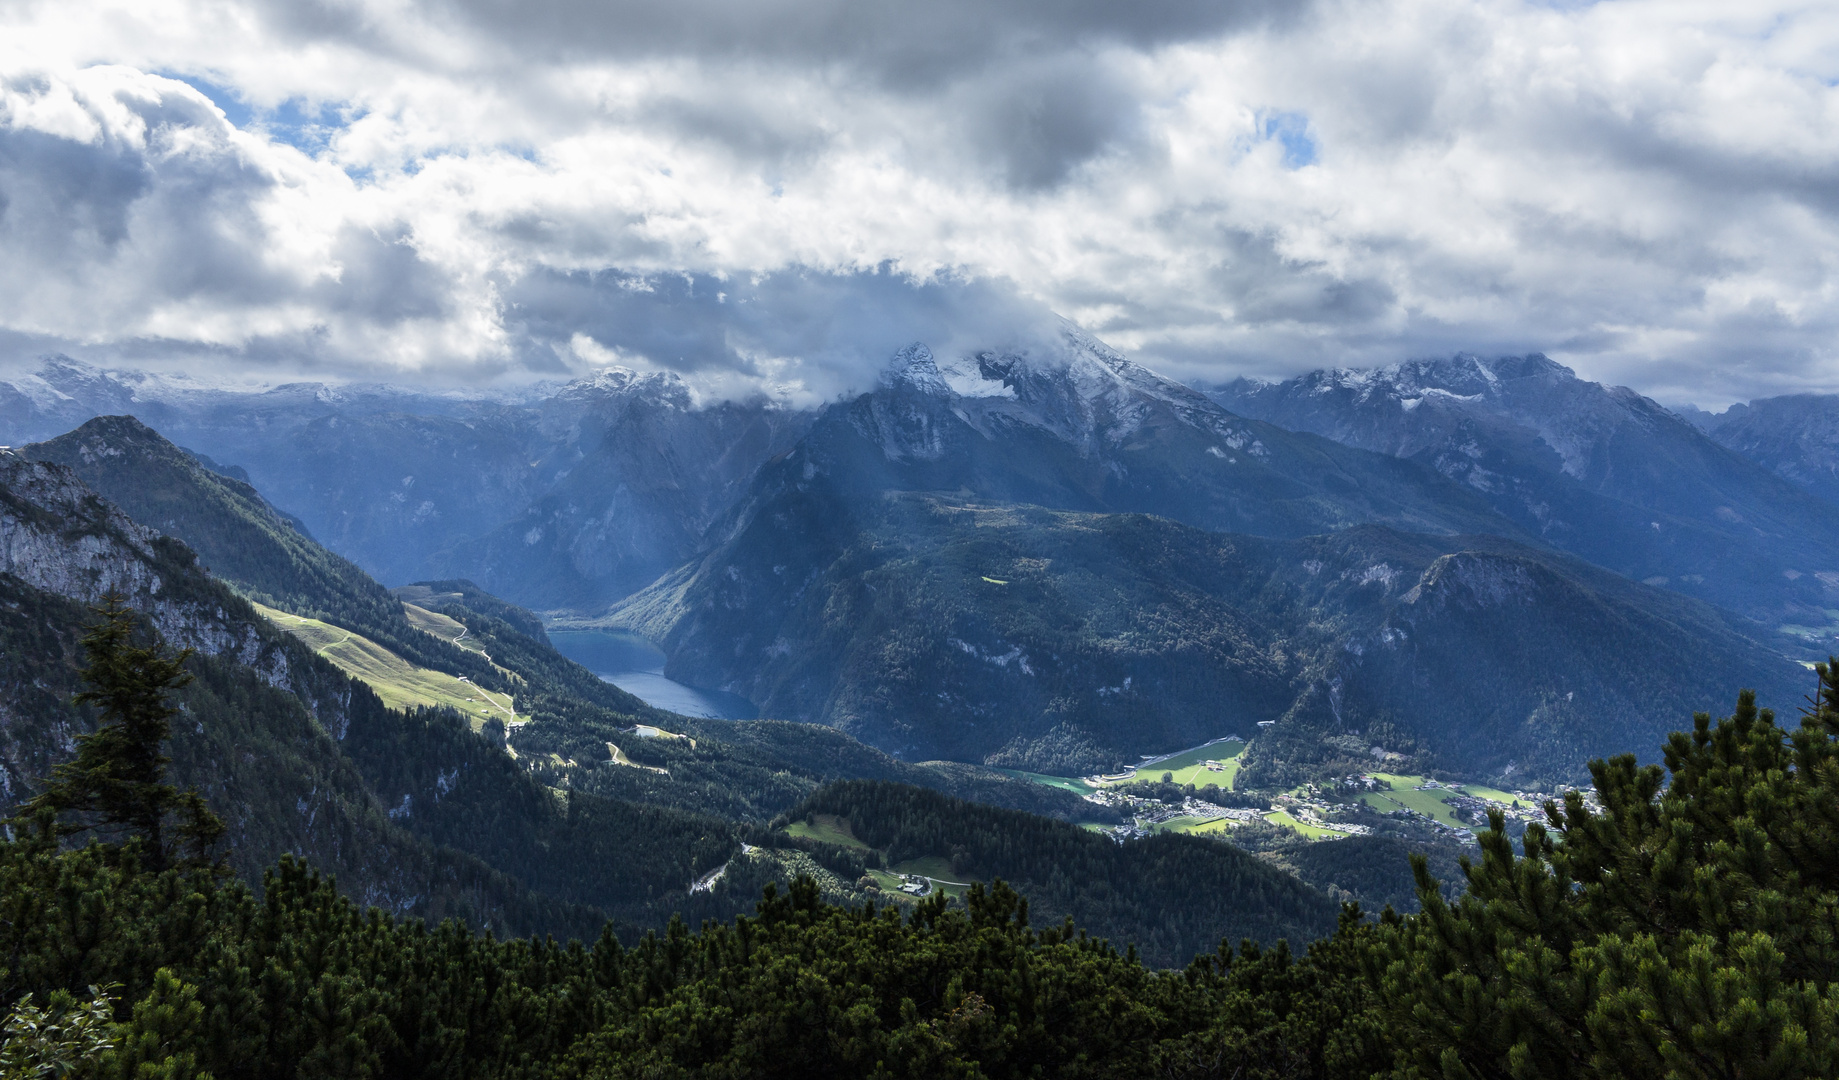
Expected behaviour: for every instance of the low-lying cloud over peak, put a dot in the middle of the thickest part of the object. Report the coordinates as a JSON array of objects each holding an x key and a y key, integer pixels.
[{"x": 774, "y": 196}]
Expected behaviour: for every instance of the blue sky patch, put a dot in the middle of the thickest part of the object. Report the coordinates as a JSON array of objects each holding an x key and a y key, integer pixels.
[
  {"x": 305, "y": 128},
  {"x": 1291, "y": 131}
]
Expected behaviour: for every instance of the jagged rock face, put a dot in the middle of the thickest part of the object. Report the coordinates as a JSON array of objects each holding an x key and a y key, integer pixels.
[
  {"x": 1475, "y": 583},
  {"x": 1599, "y": 471},
  {"x": 1796, "y": 436},
  {"x": 57, "y": 535}
]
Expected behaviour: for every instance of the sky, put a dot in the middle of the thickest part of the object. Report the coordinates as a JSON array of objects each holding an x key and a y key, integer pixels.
[{"x": 773, "y": 195}]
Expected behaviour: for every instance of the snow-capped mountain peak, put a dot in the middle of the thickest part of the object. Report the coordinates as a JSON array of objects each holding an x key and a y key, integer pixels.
[
  {"x": 1076, "y": 387},
  {"x": 1464, "y": 377}
]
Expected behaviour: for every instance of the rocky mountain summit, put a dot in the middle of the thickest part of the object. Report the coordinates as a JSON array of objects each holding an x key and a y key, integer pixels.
[
  {"x": 1080, "y": 427},
  {"x": 1796, "y": 436}
]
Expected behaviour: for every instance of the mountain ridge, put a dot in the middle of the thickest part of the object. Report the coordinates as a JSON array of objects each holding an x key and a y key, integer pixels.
[
  {"x": 1601, "y": 472},
  {"x": 1066, "y": 642}
]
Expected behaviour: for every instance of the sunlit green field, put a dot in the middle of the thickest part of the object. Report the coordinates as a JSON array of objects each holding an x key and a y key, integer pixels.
[
  {"x": 1184, "y": 823},
  {"x": 1217, "y": 826},
  {"x": 440, "y": 626},
  {"x": 1188, "y": 766},
  {"x": 1313, "y": 832},
  {"x": 399, "y": 683},
  {"x": 1432, "y": 802},
  {"x": 827, "y": 828},
  {"x": 834, "y": 830},
  {"x": 1481, "y": 791}
]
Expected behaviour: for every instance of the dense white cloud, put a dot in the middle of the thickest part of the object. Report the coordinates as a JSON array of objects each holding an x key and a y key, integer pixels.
[{"x": 770, "y": 193}]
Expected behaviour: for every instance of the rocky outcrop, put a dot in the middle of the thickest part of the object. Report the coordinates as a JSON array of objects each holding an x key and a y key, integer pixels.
[{"x": 59, "y": 536}]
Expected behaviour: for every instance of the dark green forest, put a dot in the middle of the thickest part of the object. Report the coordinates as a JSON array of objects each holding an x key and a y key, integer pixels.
[{"x": 1686, "y": 931}]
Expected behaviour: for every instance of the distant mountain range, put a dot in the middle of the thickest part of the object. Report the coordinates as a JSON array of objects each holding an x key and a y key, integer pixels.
[
  {"x": 565, "y": 497},
  {"x": 1600, "y": 472},
  {"x": 1087, "y": 429},
  {"x": 806, "y": 558},
  {"x": 1797, "y": 436}
]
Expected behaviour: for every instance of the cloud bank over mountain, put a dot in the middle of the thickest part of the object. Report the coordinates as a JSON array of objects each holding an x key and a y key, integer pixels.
[{"x": 769, "y": 196}]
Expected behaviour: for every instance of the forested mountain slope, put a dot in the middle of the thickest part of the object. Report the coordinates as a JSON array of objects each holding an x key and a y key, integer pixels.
[
  {"x": 1601, "y": 472},
  {"x": 754, "y": 774},
  {"x": 423, "y": 775},
  {"x": 267, "y": 729},
  {"x": 1580, "y": 957},
  {"x": 933, "y": 625},
  {"x": 414, "y": 812}
]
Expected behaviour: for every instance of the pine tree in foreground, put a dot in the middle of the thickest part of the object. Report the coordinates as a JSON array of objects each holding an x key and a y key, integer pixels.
[
  {"x": 117, "y": 782},
  {"x": 1690, "y": 930}
]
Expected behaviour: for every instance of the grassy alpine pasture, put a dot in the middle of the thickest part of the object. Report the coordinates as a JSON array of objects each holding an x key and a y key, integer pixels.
[
  {"x": 1313, "y": 832},
  {"x": 832, "y": 829},
  {"x": 1186, "y": 767},
  {"x": 828, "y": 828},
  {"x": 1184, "y": 823},
  {"x": 399, "y": 683},
  {"x": 451, "y": 631},
  {"x": 1481, "y": 791},
  {"x": 1189, "y": 766},
  {"x": 1432, "y": 802},
  {"x": 1217, "y": 827},
  {"x": 433, "y": 622}
]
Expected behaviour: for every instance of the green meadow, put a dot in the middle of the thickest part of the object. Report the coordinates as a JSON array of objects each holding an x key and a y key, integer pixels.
[
  {"x": 399, "y": 683},
  {"x": 1189, "y": 766},
  {"x": 1184, "y": 823},
  {"x": 938, "y": 869},
  {"x": 1313, "y": 832},
  {"x": 1404, "y": 794},
  {"x": 827, "y": 828},
  {"x": 831, "y": 829}
]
